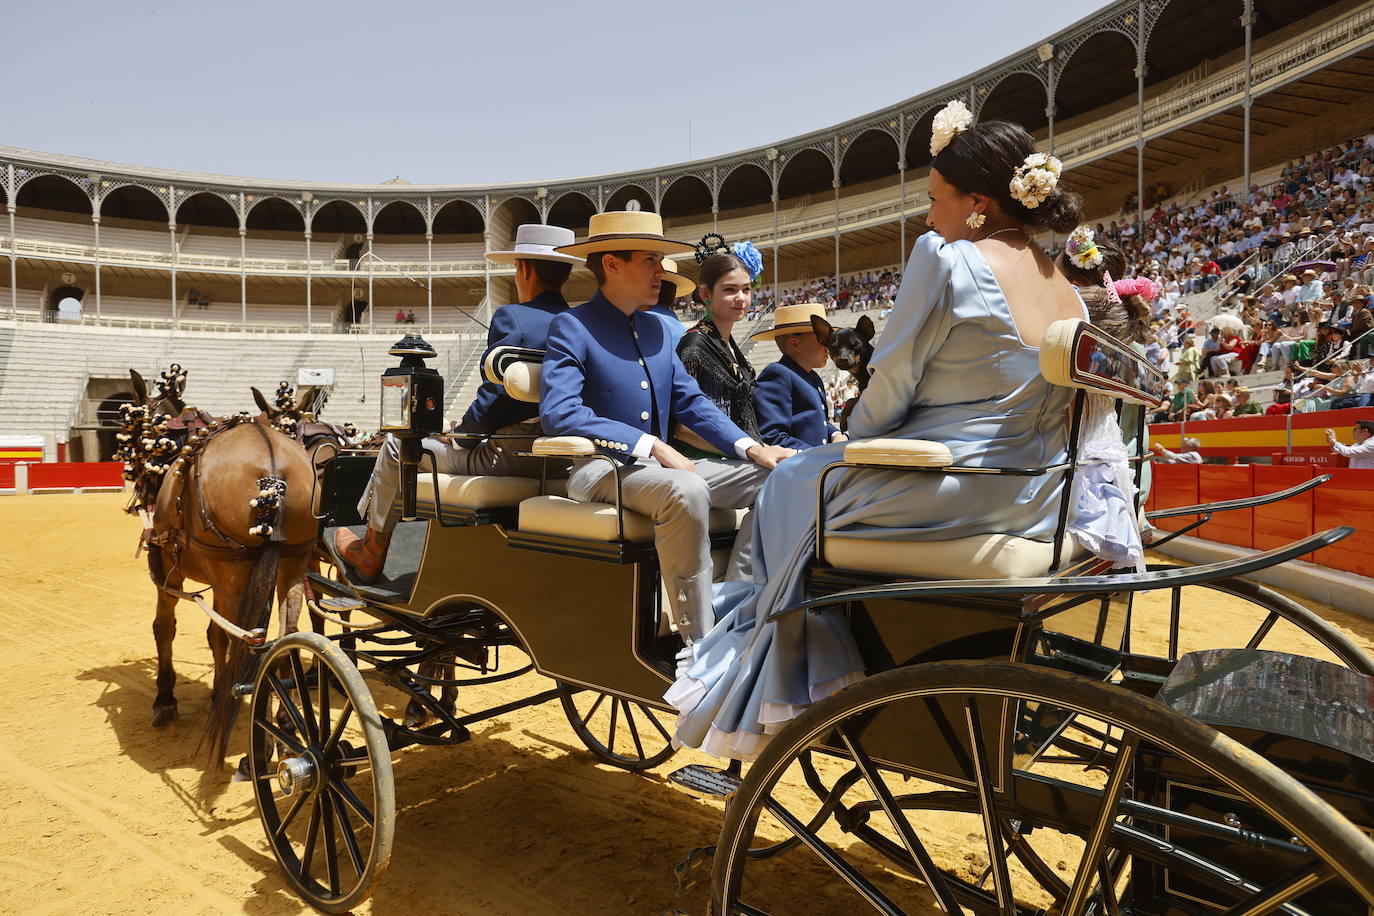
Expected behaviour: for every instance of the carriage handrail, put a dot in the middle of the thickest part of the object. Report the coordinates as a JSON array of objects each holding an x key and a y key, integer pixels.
[
  {"x": 1079, "y": 585},
  {"x": 1248, "y": 502}
]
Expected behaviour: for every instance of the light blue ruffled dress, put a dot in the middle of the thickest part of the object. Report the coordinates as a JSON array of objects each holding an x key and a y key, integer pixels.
[{"x": 950, "y": 366}]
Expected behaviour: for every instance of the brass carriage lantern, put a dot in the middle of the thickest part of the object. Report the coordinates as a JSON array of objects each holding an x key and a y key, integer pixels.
[{"x": 412, "y": 408}]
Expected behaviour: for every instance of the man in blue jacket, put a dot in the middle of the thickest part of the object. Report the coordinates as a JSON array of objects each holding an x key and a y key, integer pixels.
[
  {"x": 611, "y": 374},
  {"x": 789, "y": 396},
  {"x": 540, "y": 273}
]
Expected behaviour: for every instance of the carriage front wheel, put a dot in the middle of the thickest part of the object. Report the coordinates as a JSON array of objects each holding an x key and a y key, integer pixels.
[
  {"x": 1007, "y": 790},
  {"x": 620, "y": 732},
  {"x": 321, "y": 772}
]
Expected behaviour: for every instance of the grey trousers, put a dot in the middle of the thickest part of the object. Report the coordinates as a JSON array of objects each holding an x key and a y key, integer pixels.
[
  {"x": 380, "y": 505},
  {"x": 679, "y": 503}
]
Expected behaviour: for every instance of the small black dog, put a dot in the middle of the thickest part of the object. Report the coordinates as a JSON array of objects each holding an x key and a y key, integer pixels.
[{"x": 850, "y": 349}]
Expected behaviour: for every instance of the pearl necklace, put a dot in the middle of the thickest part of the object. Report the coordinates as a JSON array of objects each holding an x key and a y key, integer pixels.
[{"x": 1000, "y": 231}]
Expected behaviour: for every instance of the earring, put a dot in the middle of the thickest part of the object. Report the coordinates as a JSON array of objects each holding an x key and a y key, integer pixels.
[{"x": 975, "y": 220}]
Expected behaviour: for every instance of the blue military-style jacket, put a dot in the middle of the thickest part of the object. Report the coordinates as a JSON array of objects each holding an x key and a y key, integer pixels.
[
  {"x": 790, "y": 404},
  {"x": 614, "y": 378},
  {"x": 525, "y": 324}
]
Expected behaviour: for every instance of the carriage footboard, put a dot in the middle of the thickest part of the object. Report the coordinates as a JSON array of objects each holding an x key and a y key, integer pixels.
[{"x": 1079, "y": 585}]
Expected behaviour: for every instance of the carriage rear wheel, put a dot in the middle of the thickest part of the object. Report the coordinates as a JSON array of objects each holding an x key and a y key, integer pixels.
[
  {"x": 1007, "y": 789},
  {"x": 621, "y": 732},
  {"x": 321, "y": 772}
]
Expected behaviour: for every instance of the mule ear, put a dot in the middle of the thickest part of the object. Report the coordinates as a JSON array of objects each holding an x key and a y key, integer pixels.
[
  {"x": 140, "y": 387},
  {"x": 823, "y": 329},
  {"x": 865, "y": 328},
  {"x": 262, "y": 403}
]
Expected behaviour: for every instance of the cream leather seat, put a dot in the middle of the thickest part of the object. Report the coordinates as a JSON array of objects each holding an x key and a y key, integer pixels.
[
  {"x": 482, "y": 491},
  {"x": 596, "y": 521}
]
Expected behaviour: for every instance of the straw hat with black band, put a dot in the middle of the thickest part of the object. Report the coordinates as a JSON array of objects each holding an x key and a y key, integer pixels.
[
  {"x": 791, "y": 319},
  {"x": 683, "y": 284},
  {"x": 537, "y": 242},
  {"x": 626, "y": 230}
]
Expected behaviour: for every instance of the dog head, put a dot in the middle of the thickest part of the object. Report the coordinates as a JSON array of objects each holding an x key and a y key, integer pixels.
[{"x": 850, "y": 348}]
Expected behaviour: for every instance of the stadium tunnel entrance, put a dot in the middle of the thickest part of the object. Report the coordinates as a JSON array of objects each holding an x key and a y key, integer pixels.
[{"x": 97, "y": 419}]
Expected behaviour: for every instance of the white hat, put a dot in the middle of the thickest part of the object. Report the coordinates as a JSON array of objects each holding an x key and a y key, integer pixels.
[{"x": 536, "y": 242}]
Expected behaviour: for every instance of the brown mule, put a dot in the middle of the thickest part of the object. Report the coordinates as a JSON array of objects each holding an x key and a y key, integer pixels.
[{"x": 204, "y": 529}]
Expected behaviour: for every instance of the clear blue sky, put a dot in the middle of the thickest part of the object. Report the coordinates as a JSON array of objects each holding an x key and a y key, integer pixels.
[{"x": 464, "y": 92}]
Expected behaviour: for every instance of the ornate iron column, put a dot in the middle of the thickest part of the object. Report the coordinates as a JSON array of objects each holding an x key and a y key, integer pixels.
[
  {"x": 1140, "y": 118},
  {"x": 14, "y": 272},
  {"x": 95, "y": 222},
  {"x": 1247, "y": 19},
  {"x": 309, "y": 280},
  {"x": 243, "y": 278},
  {"x": 172, "y": 236},
  {"x": 429, "y": 265},
  {"x": 773, "y": 160}
]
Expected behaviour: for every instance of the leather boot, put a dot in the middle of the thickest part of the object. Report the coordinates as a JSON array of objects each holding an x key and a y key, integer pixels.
[{"x": 364, "y": 555}]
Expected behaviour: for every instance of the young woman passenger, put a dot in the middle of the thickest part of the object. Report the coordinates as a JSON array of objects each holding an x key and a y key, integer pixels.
[
  {"x": 709, "y": 352},
  {"x": 976, "y": 292}
]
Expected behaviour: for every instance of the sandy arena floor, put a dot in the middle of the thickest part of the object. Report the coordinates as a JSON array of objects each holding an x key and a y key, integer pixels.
[{"x": 106, "y": 815}]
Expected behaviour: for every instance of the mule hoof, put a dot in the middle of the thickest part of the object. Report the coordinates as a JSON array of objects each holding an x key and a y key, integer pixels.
[
  {"x": 164, "y": 715},
  {"x": 415, "y": 715},
  {"x": 241, "y": 772}
]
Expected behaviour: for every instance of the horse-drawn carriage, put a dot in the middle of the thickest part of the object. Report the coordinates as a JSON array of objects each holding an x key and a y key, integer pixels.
[{"x": 1019, "y": 747}]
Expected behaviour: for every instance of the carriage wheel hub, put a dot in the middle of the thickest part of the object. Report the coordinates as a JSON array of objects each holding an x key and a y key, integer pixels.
[{"x": 297, "y": 774}]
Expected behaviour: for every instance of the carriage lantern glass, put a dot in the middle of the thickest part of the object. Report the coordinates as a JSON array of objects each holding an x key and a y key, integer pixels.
[{"x": 412, "y": 408}]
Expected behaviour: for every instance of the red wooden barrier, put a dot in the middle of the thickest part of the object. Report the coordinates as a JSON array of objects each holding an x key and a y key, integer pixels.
[
  {"x": 76, "y": 474},
  {"x": 1217, "y": 482},
  {"x": 1347, "y": 499},
  {"x": 1288, "y": 520},
  {"x": 1175, "y": 485},
  {"x": 1262, "y": 435}
]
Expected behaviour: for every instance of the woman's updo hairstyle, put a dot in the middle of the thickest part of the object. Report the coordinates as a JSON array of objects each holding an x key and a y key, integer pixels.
[
  {"x": 982, "y": 160},
  {"x": 712, "y": 269}
]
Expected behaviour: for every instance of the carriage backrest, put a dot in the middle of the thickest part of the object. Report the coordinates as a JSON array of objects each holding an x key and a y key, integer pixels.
[
  {"x": 517, "y": 369},
  {"x": 1076, "y": 354}
]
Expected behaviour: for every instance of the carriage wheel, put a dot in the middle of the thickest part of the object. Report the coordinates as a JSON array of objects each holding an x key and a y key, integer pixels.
[
  {"x": 621, "y": 732},
  {"x": 321, "y": 772},
  {"x": 985, "y": 815},
  {"x": 1271, "y": 624}
]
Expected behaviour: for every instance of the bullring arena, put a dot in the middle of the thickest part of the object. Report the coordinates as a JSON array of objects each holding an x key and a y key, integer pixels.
[{"x": 1183, "y": 128}]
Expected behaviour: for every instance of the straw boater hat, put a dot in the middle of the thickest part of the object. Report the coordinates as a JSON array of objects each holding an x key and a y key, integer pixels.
[
  {"x": 535, "y": 242},
  {"x": 1309, "y": 272},
  {"x": 626, "y": 230},
  {"x": 684, "y": 284},
  {"x": 791, "y": 319}
]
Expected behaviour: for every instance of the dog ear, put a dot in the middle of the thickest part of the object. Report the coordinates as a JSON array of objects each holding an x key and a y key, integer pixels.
[
  {"x": 822, "y": 329},
  {"x": 865, "y": 328},
  {"x": 262, "y": 403}
]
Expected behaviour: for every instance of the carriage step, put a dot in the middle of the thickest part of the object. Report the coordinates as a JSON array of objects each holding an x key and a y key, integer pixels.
[
  {"x": 704, "y": 780},
  {"x": 341, "y": 604}
]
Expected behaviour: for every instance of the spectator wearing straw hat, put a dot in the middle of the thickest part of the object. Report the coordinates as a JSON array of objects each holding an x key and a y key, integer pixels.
[
  {"x": 1311, "y": 289},
  {"x": 789, "y": 396},
  {"x": 611, "y": 374}
]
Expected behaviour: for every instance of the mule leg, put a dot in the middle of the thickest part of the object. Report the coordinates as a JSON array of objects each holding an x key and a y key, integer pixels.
[
  {"x": 164, "y": 631},
  {"x": 290, "y": 595}
]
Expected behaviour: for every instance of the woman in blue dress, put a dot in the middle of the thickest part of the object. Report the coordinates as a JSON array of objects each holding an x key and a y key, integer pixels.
[{"x": 957, "y": 363}]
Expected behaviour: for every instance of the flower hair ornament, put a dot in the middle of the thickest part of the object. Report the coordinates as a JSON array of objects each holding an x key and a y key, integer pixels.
[
  {"x": 1082, "y": 250},
  {"x": 1035, "y": 179},
  {"x": 950, "y": 122},
  {"x": 750, "y": 257},
  {"x": 1143, "y": 287},
  {"x": 711, "y": 243}
]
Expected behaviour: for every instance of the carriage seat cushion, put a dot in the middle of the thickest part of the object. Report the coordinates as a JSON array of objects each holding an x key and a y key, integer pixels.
[
  {"x": 984, "y": 556},
  {"x": 563, "y": 446},
  {"x": 900, "y": 453},
  {"x": 596, "y": 521},
  {"x": 483, "y": 491}
]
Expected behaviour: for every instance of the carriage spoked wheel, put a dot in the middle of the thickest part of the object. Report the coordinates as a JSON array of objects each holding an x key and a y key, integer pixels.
[
  {"x": 620, "y": 732},
  {"x": 1272, "y": 621},
  {"x": 321, "y": 771},
  {"x": 1010, "y": 790}
]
